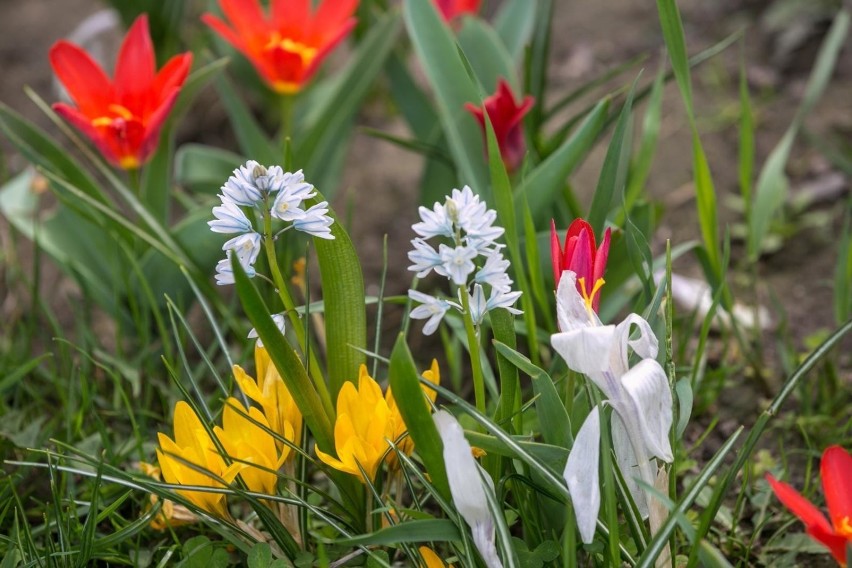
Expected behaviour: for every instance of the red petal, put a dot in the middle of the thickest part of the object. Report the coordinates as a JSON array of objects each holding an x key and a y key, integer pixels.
[
  {"x": 331, "y": 15},
  {"x": 151, "y": 135},
  {"x": 801, "y": 507},
  {"x": 84, "y": 124},
  {"x": 602, "y": 255},
  {"x": 477, "y": 113},
  {"x": 249, "y": 22},
  {"x": 291, "y": 18},
  {"x": 555, "y": 254},
  {"x": 328, "y": 47},
  {"x": 834, "y": 542},
  {"x": 136, "y": 67},
  {"x": 836, "y": 470},
  {"x": 171, "y": 77},
  {"x": 87, "y": 84}
]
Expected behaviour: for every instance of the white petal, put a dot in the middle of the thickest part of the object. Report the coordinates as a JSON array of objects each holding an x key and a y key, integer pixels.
[
  {"x": 581, "y": 475},
  {"x": 647, "y": 387},
  {"x": 627, "y": 463},
  {"x": 645, "y": 345},
  {"x": 571, "y": 311},
  {"x": 586, "y": 350}
]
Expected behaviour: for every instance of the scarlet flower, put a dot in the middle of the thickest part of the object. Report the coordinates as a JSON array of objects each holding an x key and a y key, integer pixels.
[
  {"x": 836, "y": 472},
  {"x": 452, "y": 9},
  {"x": 122, "y": 116},
  {"x": 580, "y": 256},
  {"x": 506, "y": 116},
  {"x": 288, "y": 45}
]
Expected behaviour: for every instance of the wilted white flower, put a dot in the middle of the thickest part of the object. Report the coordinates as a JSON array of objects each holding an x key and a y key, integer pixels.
[
  {"x": 468, "y": 485},
  {"x": 639, "y": 396}
]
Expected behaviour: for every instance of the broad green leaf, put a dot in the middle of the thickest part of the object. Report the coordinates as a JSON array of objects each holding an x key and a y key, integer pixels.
[
  {"x": 553, "y": 419},
  {"x": 204, "y": 169},
  {"x": 437, "y": 51},
  {"x": 514, "y": 24},
  {"x": 417, "y": 531},
  {"x": 417, "y": 415},
  {"x": 771, "y": 190},
  {"x": 345, "y": 305},
  {"x": 284, "y": 358},
  {"x": 486, "y": 54},
  {"x": 614, "y": 170},
  {"x": 546, "y": 182},
  {"x": 503, "y": 325}
]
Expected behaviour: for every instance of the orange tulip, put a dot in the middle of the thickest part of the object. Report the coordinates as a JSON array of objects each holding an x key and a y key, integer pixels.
[
  {"x": 836, "y": 471},
  {"x": 288, "y": 45},
  {"x": 122, "y": 116}
]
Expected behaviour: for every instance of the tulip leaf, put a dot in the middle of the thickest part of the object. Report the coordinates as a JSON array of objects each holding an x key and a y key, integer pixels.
[
  {"x": 326, "y": 123},
  {"x": 203, "y": 169},
  {"x": 410, "y": 399},
  {"x": 545, "y": 183},
  {"x": 552, "y": 416},
  {"x": 514, "y": 24},
  {"x": 437, "y": 51},
  {"x": 614, "y": 170},
  {"x": 421, "y": 530},
  {"x": 344, "y": 303},
  {"x": 537, "y": 62},
  {"x": 252, "y": 140},
  {"x": 284, "y": 358},
  {"x": 486, "y": 54},
  {"x": 40, "y": 150},
  {"x": 771, "y": 190}
]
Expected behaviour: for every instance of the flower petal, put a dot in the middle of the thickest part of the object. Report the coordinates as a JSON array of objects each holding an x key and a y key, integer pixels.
[
  {"x": 136, "y": 67},
  {"x": 648, "y": 389},
  {"x": 645, "y": 345},
  {"x": 87, "y": 84},
  {"x": 836, "y": 471},
  {"x": 628, "y": 463},
  {"x": 586, "y": 351},
  {"x": 581, "y": 475}
]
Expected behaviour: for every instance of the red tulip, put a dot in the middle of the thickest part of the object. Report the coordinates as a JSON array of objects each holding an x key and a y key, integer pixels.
[
  {"x": 122, "y": 116},
  {"x": 452, "y": 9},
  {"x": 288, "y": 45},
  {"x": 580, "y": 256},
  {"x": 836, "y": 471},
  {"x": 506, "y": 116}
]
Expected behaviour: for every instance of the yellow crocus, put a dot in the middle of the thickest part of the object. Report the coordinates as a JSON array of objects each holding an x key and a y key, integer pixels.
[
  {"x": 430, "y": 559},
  {"x": 193, "y": 445},
  {"x": 366, "y": 422},
  {"x": 247, "y": 442},
  {"x": 270, "y": 392},
  {"x": 170, "y": 514}
]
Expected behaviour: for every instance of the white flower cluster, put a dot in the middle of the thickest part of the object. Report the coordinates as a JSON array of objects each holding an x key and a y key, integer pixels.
[
  {"x": 269, "y": 190},
  {"x": 465, "y": 221}
]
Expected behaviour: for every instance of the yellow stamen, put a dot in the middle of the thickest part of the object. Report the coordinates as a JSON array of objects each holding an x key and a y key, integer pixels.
[
  {"x": 307, "y": 53},
  {"x": 119, "y": 111},
  {"x": 129, "y": 163},
  {"x": 122, "y": 112},
  {"x": 845, "y": 527},
  {"x": 589, "y": 297}
]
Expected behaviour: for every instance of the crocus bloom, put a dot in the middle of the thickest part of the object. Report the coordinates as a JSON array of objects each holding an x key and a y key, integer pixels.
[
  {"x": 366, "y": 424},
  {"x": 123, "y": 116},
  {"x": 193, "y": 444},
  {"x": 171, "y": 514},
  {"x": 506, "y": 116},
  {"x": 288, "y": 45},
  {"x": 270, "y": 392},
  {"x": 452, "y": 9},
  {"x": 580, "y": 256},
  {"x": 836, "y": 471},
  {"x": 639, "y": 396},
  {"x": 430, "y": 559},
  {"x": 468, "y": 486},
  {"x": 246, "y": 439}
]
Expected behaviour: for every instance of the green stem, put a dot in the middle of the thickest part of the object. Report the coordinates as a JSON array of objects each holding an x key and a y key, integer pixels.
[
  {"x": 295, "y": 319},
  {"x": 475, "y": 356}
]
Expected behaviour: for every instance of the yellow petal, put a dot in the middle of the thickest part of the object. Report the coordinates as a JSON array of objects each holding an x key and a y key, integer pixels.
[
  {"x": 433, "y": 375},
  {"x": 430, "y": 559},
  {"x": 247, "y": 384}
]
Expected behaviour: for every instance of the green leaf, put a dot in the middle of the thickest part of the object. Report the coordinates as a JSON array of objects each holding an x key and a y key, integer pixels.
[
  {"x": 203, "y": 169},
  {"x": 552, "y": 416},
  {"x": 260, "y": 556},
  {"x": 772, "y": 185},
  {"x": 424, "y": 530},
  {"x": 345, "y": 305},
  {"x": 251, "y": 138},
  {"x": 614, "y": 170},
  {"x": 486, "y": 54},
  {"x": 416, "y": 414},
  {"x": 514, "y": 24},
  {"x": 437, "y": 51},
  {"x": 546, "y": 182},
  {"x": 285, "y": 360}
]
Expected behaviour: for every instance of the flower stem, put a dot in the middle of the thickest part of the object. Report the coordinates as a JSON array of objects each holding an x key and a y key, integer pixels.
[
  {"x": 295, "y": 320},
  {"x": 475, "y": 356}
]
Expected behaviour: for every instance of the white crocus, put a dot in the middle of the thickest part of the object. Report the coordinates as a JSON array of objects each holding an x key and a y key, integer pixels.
[
  {"x": 468, "y": 486},
  {"x": 639, "y": 396}
]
